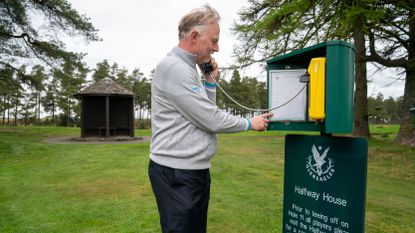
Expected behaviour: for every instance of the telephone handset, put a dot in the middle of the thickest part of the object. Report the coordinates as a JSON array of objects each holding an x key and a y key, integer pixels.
[{"x": 206, "y": 67}]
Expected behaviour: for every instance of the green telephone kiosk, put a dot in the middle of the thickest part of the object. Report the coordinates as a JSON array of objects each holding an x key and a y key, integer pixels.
[{"x": 313, "y": 88}]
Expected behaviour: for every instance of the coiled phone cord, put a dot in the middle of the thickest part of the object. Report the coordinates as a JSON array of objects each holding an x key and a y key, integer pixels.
[{"x": 254, "y": 109}]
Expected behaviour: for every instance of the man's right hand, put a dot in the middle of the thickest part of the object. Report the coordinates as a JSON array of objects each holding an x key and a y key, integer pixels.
[{"x": 260, "y": 123}]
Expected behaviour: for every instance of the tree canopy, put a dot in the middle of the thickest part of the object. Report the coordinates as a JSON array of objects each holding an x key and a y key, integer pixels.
[
  {"x": 30, "y": 32},
  {"x": 34, "y": 60}
]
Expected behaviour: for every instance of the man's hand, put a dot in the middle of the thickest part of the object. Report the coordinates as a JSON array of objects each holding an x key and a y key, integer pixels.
[
  {"x": 214, "y": 73},
  {"x": 260, "y": 123}
]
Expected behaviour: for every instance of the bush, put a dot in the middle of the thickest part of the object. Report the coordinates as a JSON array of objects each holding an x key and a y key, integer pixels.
[
  {"x": 66, "y": 120},
  {"x": 142, "y": 124}
]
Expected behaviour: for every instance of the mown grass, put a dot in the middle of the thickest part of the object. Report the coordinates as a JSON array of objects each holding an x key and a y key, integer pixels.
[{"x": 105, "y": 188}]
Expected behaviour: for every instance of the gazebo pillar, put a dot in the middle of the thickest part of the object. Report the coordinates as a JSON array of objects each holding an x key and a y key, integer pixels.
[
  {"x": 107, "y": 114},
  {"x": 83, "y": 134}
]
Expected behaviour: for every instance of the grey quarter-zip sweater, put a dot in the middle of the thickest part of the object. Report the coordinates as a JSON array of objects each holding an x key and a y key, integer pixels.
[{"x": 184, "y": 117}]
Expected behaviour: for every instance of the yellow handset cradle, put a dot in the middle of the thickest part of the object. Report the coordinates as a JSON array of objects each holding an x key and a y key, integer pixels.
[{"x": 317, "y": 71}]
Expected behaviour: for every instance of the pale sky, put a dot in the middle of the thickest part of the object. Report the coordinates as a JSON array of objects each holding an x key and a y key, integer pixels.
[{"x": 138, "y": 34}]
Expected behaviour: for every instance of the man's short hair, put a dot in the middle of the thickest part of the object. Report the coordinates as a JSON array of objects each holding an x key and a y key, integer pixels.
[{"x": 201, "y": 16}]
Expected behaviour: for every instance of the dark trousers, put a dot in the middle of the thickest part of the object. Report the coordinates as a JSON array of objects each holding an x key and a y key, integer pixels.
[{"x": 182, "y": 198}]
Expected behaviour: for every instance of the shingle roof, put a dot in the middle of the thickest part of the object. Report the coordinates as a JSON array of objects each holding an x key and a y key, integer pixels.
[{"x": 105, "y": 87}]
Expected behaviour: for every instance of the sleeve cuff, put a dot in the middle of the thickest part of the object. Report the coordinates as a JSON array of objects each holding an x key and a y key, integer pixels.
[
  {"x": 210, "y": 85},
  {"x": 249, "y": 124}
]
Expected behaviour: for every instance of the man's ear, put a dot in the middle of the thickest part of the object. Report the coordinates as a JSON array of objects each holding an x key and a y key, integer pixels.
[{"x": 193, "y": 35}]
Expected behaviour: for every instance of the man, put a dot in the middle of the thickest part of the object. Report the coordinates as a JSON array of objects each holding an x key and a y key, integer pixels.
[{"x": 185, "y": 122}]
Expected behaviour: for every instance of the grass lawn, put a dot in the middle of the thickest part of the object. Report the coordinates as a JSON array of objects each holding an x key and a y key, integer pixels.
[{"x": 105, "y": 188}]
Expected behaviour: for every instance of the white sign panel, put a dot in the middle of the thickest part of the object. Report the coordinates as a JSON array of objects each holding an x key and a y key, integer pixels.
[{"x": 286, "y": 89}]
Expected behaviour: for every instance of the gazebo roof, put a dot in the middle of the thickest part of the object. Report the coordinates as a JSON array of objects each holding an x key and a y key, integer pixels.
[{"x": 104, "y": 87}]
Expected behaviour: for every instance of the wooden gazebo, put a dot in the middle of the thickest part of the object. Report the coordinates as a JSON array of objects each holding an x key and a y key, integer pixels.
[{"x": 107, "y": 109}]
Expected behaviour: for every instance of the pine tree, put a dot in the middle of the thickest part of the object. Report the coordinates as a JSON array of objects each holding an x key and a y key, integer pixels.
[
  {"x": 22, "y": 42},
  {"x": 102, "y": 70}
]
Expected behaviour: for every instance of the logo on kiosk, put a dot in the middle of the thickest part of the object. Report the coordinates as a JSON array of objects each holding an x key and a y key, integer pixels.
[{"x": 319, "y": 166}]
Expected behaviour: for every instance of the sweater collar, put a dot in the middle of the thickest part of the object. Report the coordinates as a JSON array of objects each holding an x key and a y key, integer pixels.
[{"x": 188, "y": 58}]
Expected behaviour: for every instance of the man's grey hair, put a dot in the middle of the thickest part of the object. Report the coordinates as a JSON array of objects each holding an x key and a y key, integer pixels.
[{"x": 201, "y": 16}]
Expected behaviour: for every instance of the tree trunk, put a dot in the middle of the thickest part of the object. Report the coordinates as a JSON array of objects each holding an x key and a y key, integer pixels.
[
  {"x": 68, "y": 114},
  {"x": 38, "y": 106},
  {"x": 36, "y": 110},
  {"x": 406, "y": 134},
  {"x": 361, "y": 121},
  {"x": 25, "y": 118},
  {"x": 4, "y": 109},
  {"x": 8, "y": 110},
  {"x": 15, "y": 113},
  {"x": 53, "y": 111}
]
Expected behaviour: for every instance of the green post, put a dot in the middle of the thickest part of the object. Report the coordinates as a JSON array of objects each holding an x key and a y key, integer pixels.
[{"x": 324, "y": 176}]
